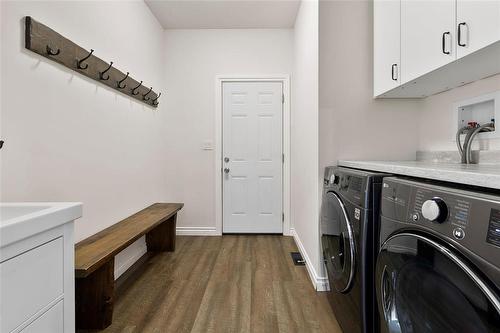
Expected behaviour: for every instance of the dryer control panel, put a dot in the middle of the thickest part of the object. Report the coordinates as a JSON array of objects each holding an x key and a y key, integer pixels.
[
  {"x": 449, "y": 208},
  {"x": 468, "y": 218}
]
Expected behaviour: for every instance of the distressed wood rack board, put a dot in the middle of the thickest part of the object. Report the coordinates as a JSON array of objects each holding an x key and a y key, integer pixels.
[{"x": 48, "y": 43}]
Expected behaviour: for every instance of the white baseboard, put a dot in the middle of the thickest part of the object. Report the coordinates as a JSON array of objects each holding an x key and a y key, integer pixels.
[
  {"x": 320, "y": 283},
  {"x": 211, "y": 231},
  {"x": 130, "y": 260},
  {"x": 197, "y": 231}
]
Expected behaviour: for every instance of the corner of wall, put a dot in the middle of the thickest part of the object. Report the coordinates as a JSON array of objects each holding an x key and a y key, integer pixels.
[
  {"x": 305, "y": 138},
  {"x": 320, "y": 283}
]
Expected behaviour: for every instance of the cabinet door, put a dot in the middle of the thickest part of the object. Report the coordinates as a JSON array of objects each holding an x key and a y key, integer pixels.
[
  {"x": 38, "y": 275},
  {"x": 427, "y": 36},
  {"x": 478, "y": 25},
  {"x": 387, "y": 45}
]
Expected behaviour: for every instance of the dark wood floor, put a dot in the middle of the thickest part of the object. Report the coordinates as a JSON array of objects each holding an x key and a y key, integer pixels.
[{"x": 222, "y": 284}]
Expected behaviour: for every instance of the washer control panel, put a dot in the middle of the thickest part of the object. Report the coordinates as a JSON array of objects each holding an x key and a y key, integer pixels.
[
  {"x": 351, "y": 183},
  {"x": 468, "y": 218}
]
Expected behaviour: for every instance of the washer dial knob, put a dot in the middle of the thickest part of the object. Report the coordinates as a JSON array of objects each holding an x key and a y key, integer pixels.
[{"x": 435, "y": 210}]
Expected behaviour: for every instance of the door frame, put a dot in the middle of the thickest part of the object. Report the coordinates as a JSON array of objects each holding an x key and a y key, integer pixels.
[{"x": 286, "y": 121}]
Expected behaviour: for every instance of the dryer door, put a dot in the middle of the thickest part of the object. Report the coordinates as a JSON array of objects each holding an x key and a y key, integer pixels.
[
  {"x": 337, "y": 240},
  {"x": 423, "y": 286}
]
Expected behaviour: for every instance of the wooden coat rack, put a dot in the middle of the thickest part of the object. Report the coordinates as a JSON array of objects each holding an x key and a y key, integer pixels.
[{"x": 48, "y": 43}]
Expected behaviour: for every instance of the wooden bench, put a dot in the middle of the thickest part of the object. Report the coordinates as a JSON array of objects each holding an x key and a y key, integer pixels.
[{"x": 94, "y": 259}]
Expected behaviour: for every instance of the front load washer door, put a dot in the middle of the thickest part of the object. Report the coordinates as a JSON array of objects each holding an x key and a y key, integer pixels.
[
  {"x": 424, "y": 286},
  {"x": 337, "y": 240}
]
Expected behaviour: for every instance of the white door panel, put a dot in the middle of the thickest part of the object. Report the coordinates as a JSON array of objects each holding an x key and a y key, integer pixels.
[
  {"x": 387, "y": 45},
  {"x": 252, "y": 185},
  {"x": 479, "y": 24},
  {"x": 425, "y": 25}
]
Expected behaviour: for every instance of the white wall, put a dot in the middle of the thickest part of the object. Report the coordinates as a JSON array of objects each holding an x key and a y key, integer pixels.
[
  {"x": 352, "y": 125},
  {"x": 69, "y": 138},
  {"x": 193, "y": 59},
  {"x": 304, "y": 136},
  {"x": 436, "y": 129}
]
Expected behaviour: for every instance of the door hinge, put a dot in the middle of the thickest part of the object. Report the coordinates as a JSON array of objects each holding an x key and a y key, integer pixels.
[
  {"x": 282, "y": 217},
  {"x": 282, "y": 98},
  {"x": 282, "y": 158}
]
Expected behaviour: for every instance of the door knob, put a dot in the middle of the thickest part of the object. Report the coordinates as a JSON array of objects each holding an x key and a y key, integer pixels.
[{"x": 226, "y": 170}]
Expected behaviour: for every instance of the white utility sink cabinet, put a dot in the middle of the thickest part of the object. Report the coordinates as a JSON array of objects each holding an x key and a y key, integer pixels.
[
  {"x": 423, "y": 47},
  {"x": 37, "y": 267}
]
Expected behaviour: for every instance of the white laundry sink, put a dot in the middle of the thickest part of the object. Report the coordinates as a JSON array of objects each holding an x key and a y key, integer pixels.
[{"x": 19, "y": 220}]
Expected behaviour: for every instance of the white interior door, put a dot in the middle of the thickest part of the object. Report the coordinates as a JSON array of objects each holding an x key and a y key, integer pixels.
[{"x": 252, "y": 157}]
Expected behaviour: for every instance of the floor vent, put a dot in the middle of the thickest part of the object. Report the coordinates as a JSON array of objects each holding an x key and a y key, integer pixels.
[{"x": 297, "y": 259}]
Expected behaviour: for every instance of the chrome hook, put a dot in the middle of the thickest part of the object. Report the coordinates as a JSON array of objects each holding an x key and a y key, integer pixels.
[
  {"x": 154, "y": 100},
  {"x": 101, "y": 74},
  {"x": 144, "y": 96},
  {"x": 51, "y": 52},
  {"x": 134, "y": 90},
  {"x": 79, "y": 65},
  {"x": 120, "y": 82}
]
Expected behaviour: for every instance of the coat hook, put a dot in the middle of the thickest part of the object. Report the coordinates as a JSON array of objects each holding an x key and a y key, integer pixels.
[
  {"x": 101, "y": 74},
  {"x": 154, "y": 100},
  {"x": 120, "y": 82},
  {"x": 51, "y": 52},
  {"x": 144, "y": 96},
  {"x": 134, "y": 90},
  {"x": 79, "y": 64}
]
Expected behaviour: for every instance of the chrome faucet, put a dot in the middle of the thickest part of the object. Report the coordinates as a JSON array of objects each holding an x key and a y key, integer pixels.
[{"x": 471, "y": 130}]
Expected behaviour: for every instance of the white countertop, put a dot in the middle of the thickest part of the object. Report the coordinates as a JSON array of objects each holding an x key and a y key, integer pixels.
[{"x": 484, "y": 175}]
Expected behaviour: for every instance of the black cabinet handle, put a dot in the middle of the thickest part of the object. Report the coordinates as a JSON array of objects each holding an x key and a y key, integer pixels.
[
  {"x": 459, "y": 37},
  {"x": 393, "y": 71},
  {"x": 443, "y": 42}
]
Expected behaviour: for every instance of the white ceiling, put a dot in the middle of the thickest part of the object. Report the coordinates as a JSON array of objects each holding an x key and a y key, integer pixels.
[{"x": 227, "y": 14}]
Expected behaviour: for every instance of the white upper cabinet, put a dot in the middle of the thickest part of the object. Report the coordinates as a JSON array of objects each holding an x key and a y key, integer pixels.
[
  {"x": 387, "y": 45},
  {"x": 442, "y": 44},
  {"x": 427, "y": 36},
  {"x": 478, "y": 25}
]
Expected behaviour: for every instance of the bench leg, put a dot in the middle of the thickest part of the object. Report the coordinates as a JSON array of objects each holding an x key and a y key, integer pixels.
[
  {"x": 94, "y": 298},
  {"x": 162, "y": 238}
]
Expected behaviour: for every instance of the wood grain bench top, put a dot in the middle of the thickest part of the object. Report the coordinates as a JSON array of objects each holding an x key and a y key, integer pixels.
[{"x": 93, "y": 252}]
